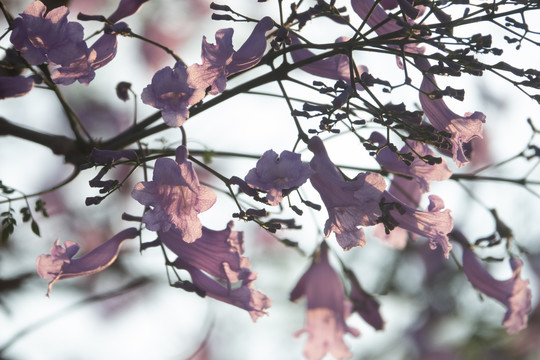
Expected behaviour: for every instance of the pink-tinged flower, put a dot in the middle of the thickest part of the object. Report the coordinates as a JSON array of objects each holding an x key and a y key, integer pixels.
[
  {"x": 421, "y": 171},
  {"x": 48, "y": 38},
  {"x": 349, "y": 203},
  {"x": 335, "y": 67},
  {"x": 327, "y": 309},
  {"x": 176, "y": 197},
  {"x": 463, "y": 129},
  {"x": 126, "y": 8},
  {"x": 61, "y": 265},
  {"x": 278, "y": 174},
  {"x": 172, "y": 94},
  {"x": 434, "y": 224},
  {"x": 216, "y": 265},
  {"x": 14, "y": 86},
  {"x": 220, "y": 60},
  {"x": 513, "y": 293}
]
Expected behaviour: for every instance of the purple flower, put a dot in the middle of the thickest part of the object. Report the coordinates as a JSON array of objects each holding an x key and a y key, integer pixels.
[
  {"x": 172, "y": 94},
  {"x": 220, "y": 60},
  {"x": 61, "y": 265},
  {"x": 463, "y": 129},
  {"x": 126, "y": 8},
  {"x": 176, "y": 197},
  {"x": 14, "y": 86},
  {"x": 216, "y": 264},
  {"x": 421, "y": 172},
  {"x": 48, "y": 38},
  {"x": 349, "y": 203},
  {"x": 327, "y": 309},
  {"x": 433, "y": 224},
  {"x": 513, "y": 293},
  {"x": 335, "y": 67},
  {"x": 365, "y": 304},
  {"x": 378, "y": 18},
  {"x": 276, "y": 174}
]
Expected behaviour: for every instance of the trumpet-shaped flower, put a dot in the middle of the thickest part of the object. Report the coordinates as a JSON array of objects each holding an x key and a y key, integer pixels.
[
  {"x": 349, "y": 203},
  {"x": 172, "y": 94},
  {"x": 278, "y": 174},
  {"x": 327, "y": 309},
  {"x": 61, "y": 265},
  {"x": 176, "y": 197},
  {"x": 335, "y": 67},
  {"x": 125, "y": 8},
  {"x": 513, "y": 293},
  {"x": 216, "y": 258},
  {"x": 221, "y": 60},
  {"x": 463, "y": 129}
]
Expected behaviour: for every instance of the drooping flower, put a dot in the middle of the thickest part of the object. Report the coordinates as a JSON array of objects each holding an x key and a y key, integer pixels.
[
  {"x": 327, "y": 309},
  {"x": 513, "y": 293},
  {"x": 14, "y": 86},
  {"x": 220, "y": 60},
  {"x": 349, "y": 203},
  {"x": 216, "y": 264},
  {"x": 420, "y": 170},
  {"x": 61, "y": 265},
  {"x": 335, "y": 67},
  {"x": 463, "y": 129},
  {"x": 278, "y": 174},
  {"x": 176, "y": 197},
  {"x": 364, "y": 303},
  {"x": 171, "y": 93},
  {"x": 434, "y": 224}
]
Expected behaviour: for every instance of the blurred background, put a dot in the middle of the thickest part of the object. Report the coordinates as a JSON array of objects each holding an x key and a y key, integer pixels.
[{"x": 128, "y": 311}]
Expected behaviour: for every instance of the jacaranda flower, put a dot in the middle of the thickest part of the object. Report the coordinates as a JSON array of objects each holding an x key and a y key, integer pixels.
[
  {"x": 171, "y": 93},
  {"x": 216, "y": 265},
  {"x": 463, "y": 129},
  {"x": 276, "y": 174},
  {"x": 513, "y": 293},
  {"x": 349, "y": 203},
  {"x": 175, "y": 196},
  {"x": 220, "y": 60},
  {"x": 327, "y": 309},
  {"x": 61, "y": 265},
  {"x": 14, "y": 86}
]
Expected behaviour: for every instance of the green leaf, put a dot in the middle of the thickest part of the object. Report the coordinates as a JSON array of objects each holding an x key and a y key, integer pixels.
[{"x": 35, "y": 228}]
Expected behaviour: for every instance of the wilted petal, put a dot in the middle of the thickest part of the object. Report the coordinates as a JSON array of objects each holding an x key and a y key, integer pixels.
[
  {"x": 275, "y": 174},
  {"x": 14, "y": 86},
  {"x": 176, "y": 197},
  {"x": 513, "y": 293},
  {"x": 61, "y": 265}
]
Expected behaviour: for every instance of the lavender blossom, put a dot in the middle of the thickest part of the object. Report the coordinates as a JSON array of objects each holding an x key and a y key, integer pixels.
[
  {"x": 172, "y": 94},
  {"x": 216, "y": 258},
  {"x": 327, "y": 309},
  {"x": 335, "y": 67},
  {"x": 276, "y": 174},
  {"x": 60, "y": 264},
  {"x": 176, "y": 197},
  {"x": 220, "y": 60},
  {"x": 433, "y": 224},
  {"x": 48, "y": 38},
  {"x": 349, "y": 203},
  {"x": 125, "y": 8},
  {"x": 463, "y": 129},
  {"x": 15, "y": 86}
]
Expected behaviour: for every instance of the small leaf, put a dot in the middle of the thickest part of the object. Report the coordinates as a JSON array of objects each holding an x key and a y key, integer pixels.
[{"x": 35, "y": 228}]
